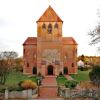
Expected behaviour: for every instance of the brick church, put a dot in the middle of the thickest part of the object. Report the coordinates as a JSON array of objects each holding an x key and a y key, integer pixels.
[{"x": 49, "y": 53}]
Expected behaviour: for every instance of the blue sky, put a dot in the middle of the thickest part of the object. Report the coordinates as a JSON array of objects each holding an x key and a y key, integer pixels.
[{"x": 18, "y": 21}]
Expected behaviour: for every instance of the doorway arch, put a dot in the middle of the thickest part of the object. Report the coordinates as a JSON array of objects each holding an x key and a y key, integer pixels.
[
  {"x": 34, "y": 70},
  {"x": 50, "y": 70},
  {"x": 65, "y": 70}
]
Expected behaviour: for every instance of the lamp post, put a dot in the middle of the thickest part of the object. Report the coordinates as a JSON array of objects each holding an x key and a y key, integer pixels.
[{"x": 38, "y": 83}]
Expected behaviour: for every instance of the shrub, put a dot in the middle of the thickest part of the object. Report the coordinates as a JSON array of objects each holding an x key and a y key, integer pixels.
[
  {"x": 95, "y": 75},
  {"x": 28, "y": 84},
  {"x": 15, "y": 88},
  {"x": 83, "y": 68},
  {"x": 71, "y": 84},
  {"x": 2, "y": 88}
]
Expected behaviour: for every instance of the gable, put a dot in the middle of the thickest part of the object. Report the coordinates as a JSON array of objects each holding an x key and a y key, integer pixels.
[{"x": 49, "y": 16}]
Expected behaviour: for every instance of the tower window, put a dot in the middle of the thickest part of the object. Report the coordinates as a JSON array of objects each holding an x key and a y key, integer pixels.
[
  {"x": 27, "y": 64},
  {"x": 24, "y": 51},
  {"x": 72, "y": 64},
  {"x": 50, "y": 28},
  {"x": 43, "y": 26},
  {"x": 34, "y": 70},
  {"x": 56, "y": 25}
]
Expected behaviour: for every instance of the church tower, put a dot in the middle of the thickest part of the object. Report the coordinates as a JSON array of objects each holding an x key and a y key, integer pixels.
[
  {"x": 49, "y": 42},
  {"x": 49, "y": 26}
]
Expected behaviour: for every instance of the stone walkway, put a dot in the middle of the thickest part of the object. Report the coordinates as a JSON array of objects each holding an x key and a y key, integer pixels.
[
  {"x": 68, "y": 77},
  {"x": 50, "y": 99},
  {"x": 48, "y": 89},
  {"x": 49, "y": 81}
]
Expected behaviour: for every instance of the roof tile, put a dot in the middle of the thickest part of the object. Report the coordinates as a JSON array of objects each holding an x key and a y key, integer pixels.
[
  {"x": 49, "y": 16},
  {"x": 69, "y": 40},
  {"x": 30, "y": 40}
]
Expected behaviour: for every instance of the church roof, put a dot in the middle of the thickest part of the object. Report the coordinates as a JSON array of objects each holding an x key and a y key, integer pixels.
[
  {"x": 49, "y": 16},
  {"x": 30, "y": 40},
  {"x": 66, "y": 40},
  {"x": 69, "y": 41}
]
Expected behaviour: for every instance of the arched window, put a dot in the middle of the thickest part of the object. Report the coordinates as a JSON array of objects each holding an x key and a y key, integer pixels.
[
  {"x": 34, "y": 70},
  {"x": 24, "y": 51},
  {"x": 44, "y": 26},
  {"x": 72, "y": 64},
  {"x": 56, "y": 25},
  {"x": 65, "y": 70},
  {"x": 50, "y": 28},
  {"x": 27, "y": 64}
]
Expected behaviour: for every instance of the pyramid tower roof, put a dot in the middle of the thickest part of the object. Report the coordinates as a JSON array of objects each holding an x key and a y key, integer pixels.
[{"x": 49, "y": 16}]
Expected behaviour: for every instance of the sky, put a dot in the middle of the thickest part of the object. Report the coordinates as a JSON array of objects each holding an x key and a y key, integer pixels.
[{"x": 18, "y": 21}]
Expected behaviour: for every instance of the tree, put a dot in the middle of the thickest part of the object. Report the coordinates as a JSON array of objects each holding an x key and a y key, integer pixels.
[
  {"x": 6, "y": 64},
  {"x": 95, "y": 75},
  {"x": 19, "y": 64},
  {"x": 95, "y": 36},
  {"x": 82, "y": 57}
]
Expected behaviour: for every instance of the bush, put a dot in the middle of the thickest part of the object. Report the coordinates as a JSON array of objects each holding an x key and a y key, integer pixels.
[
  {"x": 83, "y": 68},
  {"x": 28, "y": 84},
  {"x": 15, "y": 88},
  {"x": 95, "y": 75},
  {"x": 2, "y": 88},
  {"x": 71, "y": 84}
]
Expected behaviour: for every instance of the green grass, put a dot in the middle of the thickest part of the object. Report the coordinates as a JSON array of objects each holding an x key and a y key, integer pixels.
[
  {"x": 15, "y": 77},
  {"x": 61, "y": 80},
  {"x": 81, "y": 76}
]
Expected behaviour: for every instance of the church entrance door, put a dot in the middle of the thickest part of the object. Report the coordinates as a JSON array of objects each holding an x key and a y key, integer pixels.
[{"x": 50, "y": 70}]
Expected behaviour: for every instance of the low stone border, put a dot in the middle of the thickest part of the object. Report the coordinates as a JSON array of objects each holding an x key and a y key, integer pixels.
[
  {"x": 73, "y": 94},
  {"x": 25, "y": 94}
]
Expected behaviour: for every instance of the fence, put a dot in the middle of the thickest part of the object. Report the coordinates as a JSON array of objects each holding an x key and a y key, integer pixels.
[
  {"x": 74, "y": 94},
  {"x": 25, "y": 94}
]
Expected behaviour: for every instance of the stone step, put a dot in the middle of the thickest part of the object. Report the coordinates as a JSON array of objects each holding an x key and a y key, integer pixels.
[
  {"x": 49, "y": 99},
  {"x": 48, "y": 92},
  {"x": 49, "y": 86}
]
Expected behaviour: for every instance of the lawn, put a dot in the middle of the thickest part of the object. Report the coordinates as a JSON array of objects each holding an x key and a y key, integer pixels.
[
  {"x": 15, "y": 77},
  {"x": 81, "y": 76},
  {"x": 61, "y": 80}
]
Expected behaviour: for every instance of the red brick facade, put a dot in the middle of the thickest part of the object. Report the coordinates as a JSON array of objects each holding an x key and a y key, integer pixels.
[{"x": 49, "y": 53}]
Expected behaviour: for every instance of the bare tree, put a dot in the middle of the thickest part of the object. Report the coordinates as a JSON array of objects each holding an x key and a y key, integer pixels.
[
  {"x": 95, "y": 35},
  {"x": 6, "y": 64}
]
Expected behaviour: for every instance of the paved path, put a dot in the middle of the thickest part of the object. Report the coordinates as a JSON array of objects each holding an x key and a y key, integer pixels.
[
  {"x": 49, "y": 81},
  {"x": 49, "y": 99},
  {"x": 68, "y": 77},
  {"x": 48, "y": 89}
]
